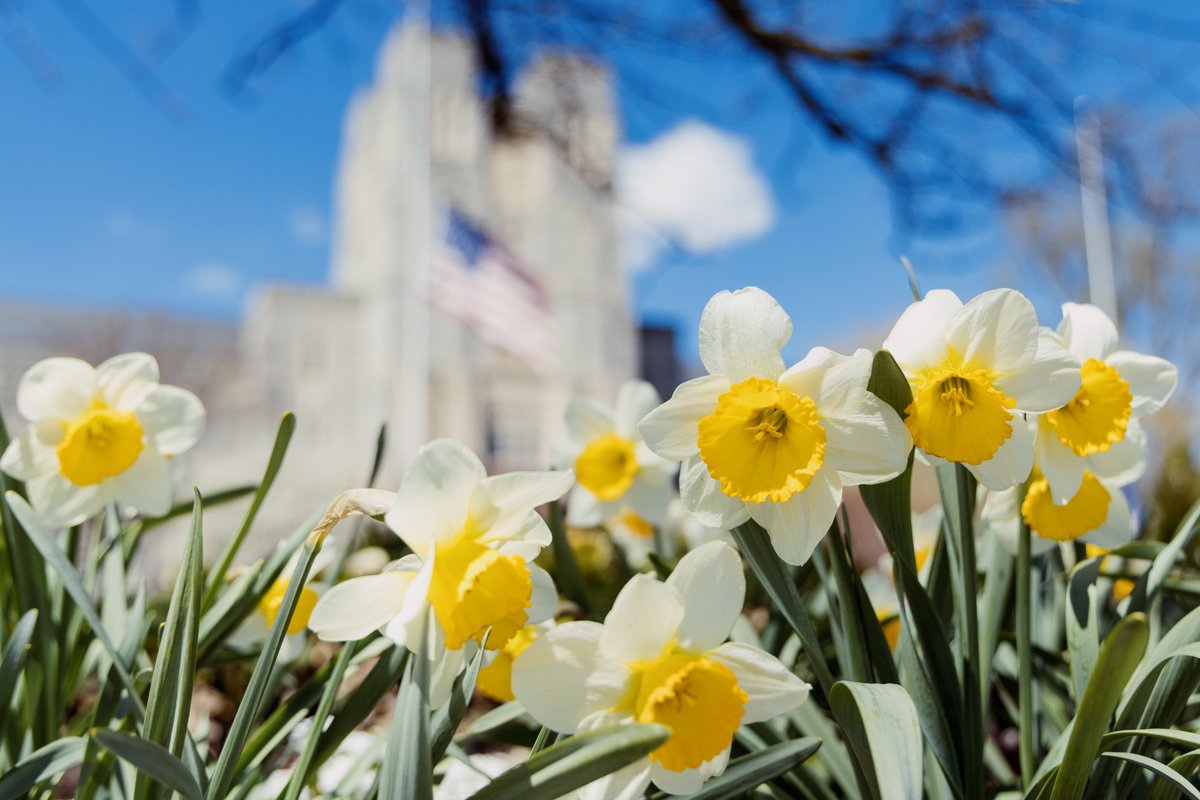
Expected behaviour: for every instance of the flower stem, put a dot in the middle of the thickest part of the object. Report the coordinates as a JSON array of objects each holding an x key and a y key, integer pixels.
[{"x": 1024, "y": 650}]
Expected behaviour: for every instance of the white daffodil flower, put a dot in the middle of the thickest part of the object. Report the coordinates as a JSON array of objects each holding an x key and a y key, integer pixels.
[
  {"x": 473, "y": 538},
  {"x": 255, "y": 628},
  {"x": 99, "y": 435},
  {"x": 974, "y": 369},
  {"x": 773, "y": 445},
  {"x": 1096, "y": 430},
  {"x": 617, "y": 475},
  {"x": 495, "y": 679},
  {"x": 681, "y": 533},
  {"x": 660, "y": 657},
  {"x": 1097, "y": 513}
]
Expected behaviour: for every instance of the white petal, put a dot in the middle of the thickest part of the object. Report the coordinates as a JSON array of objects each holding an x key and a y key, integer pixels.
[
  {"x": 585, "y": 510},
  {"x": 172, "y": 418},
  {"x": 251, "y": 633},
  {"x": 649, "y": 496},
  {"x": 146, "y": 485},
  {"x": 587, "y": 419},
  {"x": 772, "y": 688},
  {"x": 833, "y": 381},
  {"x": 61, "y": 503},
  {"x": 1012, "y": 463},
  {"x": 1049, "y": 382},
  {"x": 1125, "y": 461},
  {"x": 436, "y": 493},
  {"x": 635, "y": 399},
  {"x": 712, "y": 586},
  {"x": 688, "y": 781},
  {"x": 527, "y": 540},
  {"x": 1151, "y": 380},
  {"x": 1000, "y": 517},
  {"x": 671, "y": 429},
  {"x": 125, "y": 380},
  {"x": 1088, "y": 331},
  {"x": 997, "y": 330},
  {"x": 867, "y": 443},
  {"x": 523, "y": 491},
  {"x": 742, "y": 334},
  {"x": 354, "y": 608},
  {"x": 27, "y": 456},
  {"x": 703, "y": 497},
  {"x": 57, "y": 388},
  {"x": 918, "y": 339},
  {"x": 562, "y": 678},
  {"x": 1062, "y": 468},
  {"x": 627, "y": 783},
  {"x": 797, "y": 526},
  {"x": 444, "y": 668},
  {"x": 643, "y": 619},
  {"x": 543, "y": 600},
  {"x": 1117, "y": 528}
]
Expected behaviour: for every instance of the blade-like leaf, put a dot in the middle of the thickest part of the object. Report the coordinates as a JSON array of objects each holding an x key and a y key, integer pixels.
[
  {"x": 41, "y": 765},
  {"x": 302, "y": 766},
  {"x": 756, "y": 548},
  {"x": 170, "y": 698},
  {"x": 1182, "y": 784},
  {"x": 449, "y": 716},
  {"x": 1186, "y": 764},
  {"x": 881, "y": 725},
  {"x": 151, "y": 760},
  {"x": 1083, "y": 640},
  {"x": 287, "y": 426},
  {"x": 1119, "y": 656},
  {"x": 407, "y": 770},
  {"x": 15, "y": 653},
  {"x": 749, "y": 771},
  {"x": 55, "y": 557},
  {"x": 575, "y": 762}
]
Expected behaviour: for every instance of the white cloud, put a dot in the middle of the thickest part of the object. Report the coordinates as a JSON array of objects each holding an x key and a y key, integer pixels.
[
  {"x": 307, "y": 226},
  {"x": 694, "y": 185},
  {"x": 214, "y": 281}
]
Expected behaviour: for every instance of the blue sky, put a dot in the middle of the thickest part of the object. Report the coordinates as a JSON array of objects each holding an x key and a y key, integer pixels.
[{"x": 106, "y": 202}]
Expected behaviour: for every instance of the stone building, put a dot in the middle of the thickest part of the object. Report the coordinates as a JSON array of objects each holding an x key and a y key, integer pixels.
[{"x": 368, "y": 348}]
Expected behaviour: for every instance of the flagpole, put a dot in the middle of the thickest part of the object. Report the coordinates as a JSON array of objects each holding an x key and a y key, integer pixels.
[
  {"x": 414, "y": 428},
  {"x": 1097, "y": 239}
]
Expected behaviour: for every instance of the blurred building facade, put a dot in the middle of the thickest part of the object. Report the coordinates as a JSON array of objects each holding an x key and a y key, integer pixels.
[{"x": 346, "y": 357}]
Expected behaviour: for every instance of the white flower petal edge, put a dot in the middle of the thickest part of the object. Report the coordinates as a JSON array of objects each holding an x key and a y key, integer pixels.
[
  {"x": 670, "y": 429},
  {"x": 643, "y": 620},
  {"x": 635, "y": 399},
  {"x": 1062, "y": 468},
  {"x": 1000, "y": 517},
  {"x": 1011, "y": 464},
  {"x": 742, "y": 334},
  {"x": 56, "y": 388},
  {"x": 356, "y": 607},
  {"x": 771, "y": 687},
  {"x": 1125, "y": 461},
  {"x": 797, "y": 526},
  {"x": 587, "y": 419},
  {"x": 711, "y": 585},
  {"x": 1151, "y": 380},
  {"x": 1117, "y": 528},
  {"x": 1087, "y": 331},
  {"x": 561, "y": 678},
  {"x": 688, "y": 781},
  {"x": 435, "y": 493},
  {"x": 124, "y": 381},
  {"x": 702, "y": 496},
  {"x": 997, "y": 328},
  {"x": 1048, "y": 382},
  {"x": 918, "y": 339}
]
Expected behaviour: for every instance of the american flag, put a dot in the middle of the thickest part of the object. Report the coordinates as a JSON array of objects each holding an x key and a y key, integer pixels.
[{"x": 475, "y": 279}]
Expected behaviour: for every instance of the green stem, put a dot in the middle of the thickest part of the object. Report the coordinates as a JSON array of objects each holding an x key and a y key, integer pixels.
[
  {"x": 1024, "y": 650},
  {"x": 973, "y": 679}
]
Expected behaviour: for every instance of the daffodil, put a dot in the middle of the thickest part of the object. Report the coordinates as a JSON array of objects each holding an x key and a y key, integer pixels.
[
  {"x": 974, "y": 370},
  {"x": 99, "y": 435},
  {"x": 660, "y": 657},
  {"x": 495, "y": 679},
  {"x": 617, "y": 476},
  {"x": 776, "y": 445},
  {"x": 473, "y": 538},
  {"x": 254, "y": 629},
  {"x": 1097, "y": 430},
  {"x": 680, "y": 533},
  {"x": 1097, "y": 513}
]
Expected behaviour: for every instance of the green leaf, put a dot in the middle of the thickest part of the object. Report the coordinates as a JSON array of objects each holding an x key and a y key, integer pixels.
[
  {"x": 1083, "y": 637},
  {"x": 1119, "y": 656},
  {"x": 151, "y": 760},
  {"x": 15, "y": 653},
  {"x": 287, "y": 426},
  {"x": 881, "y": 724},
  {"x": 41, "y": 765},
  {"x": 1186, "y": 764},
  {"x": 361, "y": 702},
  {"x": 239, "y": 730},
  {"x": 303, "y": 765},
  {"x": 1146, "y": 591},
  {"x": 749, "y": 771},
  {"x": 407, "y": 770},
  {"x": 170, "y": 699},
  {"x": 449, "y": 716},
  {"x": 1181, "y": 783},
  {"x": 55, "y": 557},
  {"x": 575, "y": 762},
  {"x": 756, "y": 548},
  {"x": 496, "y": 718}
]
